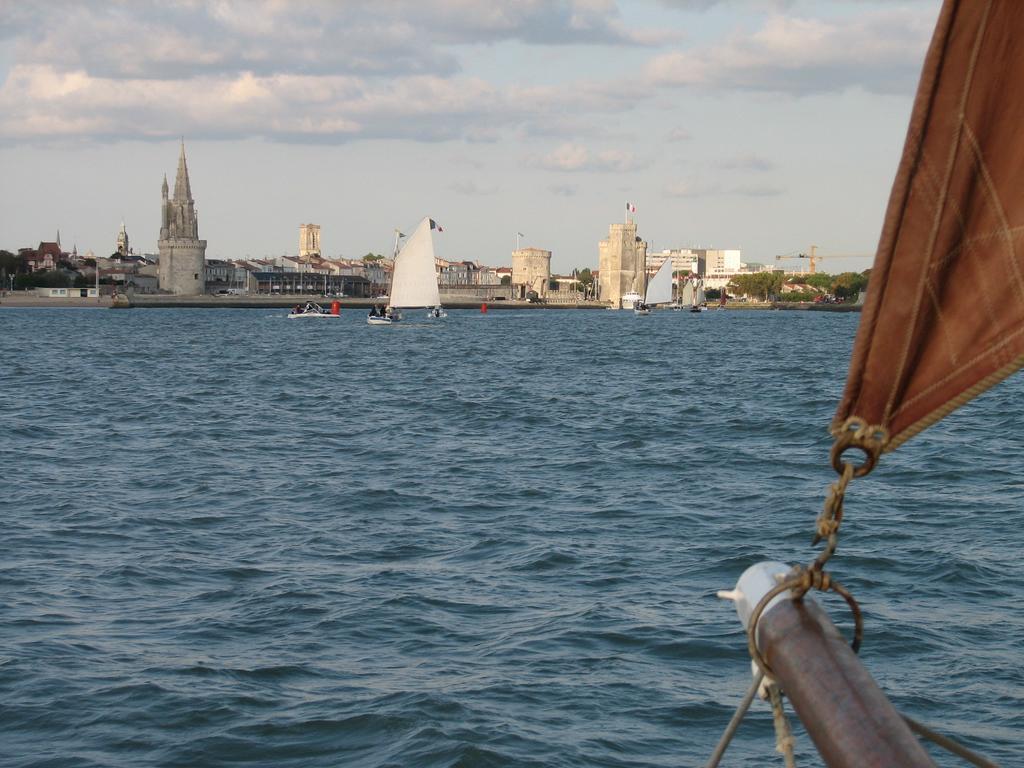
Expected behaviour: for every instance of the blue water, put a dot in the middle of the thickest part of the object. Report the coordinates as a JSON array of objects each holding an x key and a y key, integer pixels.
[{"x": 227, "y": 538}]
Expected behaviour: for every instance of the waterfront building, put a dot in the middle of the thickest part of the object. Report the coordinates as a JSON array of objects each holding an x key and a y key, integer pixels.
[
  {"x": 182, "y": 253},
  {"x": 621, "y": 261},
  {"x": 531, "y": 271},
  {"x": 122, "y": 241},
  {"x": 42, "y": 259},
  {"x": 309, "y": 240},
  {"x": 723, "y": 261},
  {"x": 465, "y": 273}
]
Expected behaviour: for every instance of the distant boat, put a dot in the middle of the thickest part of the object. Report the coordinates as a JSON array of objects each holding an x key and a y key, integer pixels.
[
  {"x": 630, "y": 300},
  {"x": 685, "y": 298},
  {"x": 313, "y": 310},
  {"x": 659, "y": 289},
  {"x": 414, "y": 278},
  {"x": 700, "y": 301}
]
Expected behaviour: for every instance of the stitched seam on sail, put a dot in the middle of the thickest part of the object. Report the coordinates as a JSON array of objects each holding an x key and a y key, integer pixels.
[
  {"x": 1000, "y": 210},
  {"x": 927, "y": 174},
  {"x": 969, "y": 242},
  {"x": 963, "y": 243},
  {"x": 951, "y": 405},
  {"x": 1005, "y": 341},
  {"x": 940, "y": 210}
]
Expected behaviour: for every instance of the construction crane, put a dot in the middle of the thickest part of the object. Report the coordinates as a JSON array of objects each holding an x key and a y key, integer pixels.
[{"x": 814, "y": 257}]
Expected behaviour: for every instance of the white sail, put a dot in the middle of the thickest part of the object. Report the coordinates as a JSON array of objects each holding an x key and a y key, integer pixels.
[
  {"x": 699, "y": 298},
  {"x": 659, "y": 290},
  {"x": 414, "y": 282},
  {"x": 686, "y": 295}
]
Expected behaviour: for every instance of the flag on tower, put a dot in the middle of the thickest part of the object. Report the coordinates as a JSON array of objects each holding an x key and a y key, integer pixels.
[
  {"x": 630, "y": 208},
  {"x": 435, "y": 225}
]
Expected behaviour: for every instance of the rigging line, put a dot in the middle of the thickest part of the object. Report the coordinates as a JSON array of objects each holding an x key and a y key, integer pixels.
[
  {"x": 737, "y": 718},
  {"x": 784, "y": 739},
  {"x": 949, "y": 744}
]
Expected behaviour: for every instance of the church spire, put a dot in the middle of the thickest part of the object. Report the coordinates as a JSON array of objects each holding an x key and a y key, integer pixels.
[
  {"x": 182, "y": 190},
  {"x": 163, "y": 189}
]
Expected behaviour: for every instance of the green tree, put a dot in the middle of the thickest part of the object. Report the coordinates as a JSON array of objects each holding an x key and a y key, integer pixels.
[
  {"x": 10, "y": 262},
  {"x": 799, "y": 296},
  {"x": 820, "y": 280},
  {"x": 760, "y": 285},
  {"x": 506, "y": 279},
  {"x": 372, "y": 257},
  {"x": 585, "y": 276},
  {"x": 848, "y": 284}
]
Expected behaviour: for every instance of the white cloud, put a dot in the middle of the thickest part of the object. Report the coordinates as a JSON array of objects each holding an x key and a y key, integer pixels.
[
  {"x": 575, "y": 157},
  {"x": 879, "y": 51},
  {"x": 472, "y": 189},
  {"x": 746, "y": 162},
  {"x": 678, "y": 134},
  {"x": 690, "y": 189},
  {"x": 38, "y": 103},
  {"x": 563, "y": 190},
  {"x": 757, "y": 190},
  {"x": 186, "y": 39}
]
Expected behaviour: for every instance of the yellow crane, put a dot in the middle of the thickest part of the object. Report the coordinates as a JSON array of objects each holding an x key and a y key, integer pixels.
[{"x": 813, "y": 257}]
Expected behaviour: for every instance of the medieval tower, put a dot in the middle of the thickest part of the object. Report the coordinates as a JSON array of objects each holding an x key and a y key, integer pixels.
[
  {"x": 309, "y": 241},
  {"x": 182, "y": 253},
  {"x": 622, "y": 259}
]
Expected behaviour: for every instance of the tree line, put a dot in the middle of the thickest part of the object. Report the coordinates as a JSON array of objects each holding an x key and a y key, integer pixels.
[{"x": 767, "y": 286}]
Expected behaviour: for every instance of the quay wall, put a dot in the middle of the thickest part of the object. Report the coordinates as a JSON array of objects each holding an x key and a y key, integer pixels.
[{"x": 13, "y": 299}]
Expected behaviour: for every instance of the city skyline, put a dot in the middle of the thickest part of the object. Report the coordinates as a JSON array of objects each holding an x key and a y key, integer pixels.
[{"x": 759, "y": 125}]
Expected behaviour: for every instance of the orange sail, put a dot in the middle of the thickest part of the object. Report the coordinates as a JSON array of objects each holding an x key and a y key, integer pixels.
[{"x": 944, "y": 314}]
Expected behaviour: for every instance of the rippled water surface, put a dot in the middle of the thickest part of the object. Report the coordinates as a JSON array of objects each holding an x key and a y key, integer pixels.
[{"x": 229, "y": 538}]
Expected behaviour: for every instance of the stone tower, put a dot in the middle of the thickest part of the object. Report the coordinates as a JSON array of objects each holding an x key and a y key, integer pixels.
[
  {"x": 622, "y": 259},
  {"x": 122, "y": 241},
  {"x": 309, "y": 240},
  {"x": 531, "y": 271},
  {"x": 182, "y": 253}
]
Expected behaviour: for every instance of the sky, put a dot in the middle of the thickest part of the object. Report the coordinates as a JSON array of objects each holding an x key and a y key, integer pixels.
[{"x": 765, "y": 125}]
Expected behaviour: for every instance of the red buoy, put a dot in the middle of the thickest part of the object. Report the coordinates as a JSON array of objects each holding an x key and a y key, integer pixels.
[
  {"x": 335, "y": 307},
  {"x": 483, "y": 308}
]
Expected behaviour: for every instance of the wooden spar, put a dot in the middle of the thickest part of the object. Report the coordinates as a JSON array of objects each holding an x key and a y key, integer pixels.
[{"x": 847, "y": 716}]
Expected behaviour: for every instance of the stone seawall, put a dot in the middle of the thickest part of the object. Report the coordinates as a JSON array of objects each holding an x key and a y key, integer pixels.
[
  {"x": 144, "y": 301},
  {"x": 30, "y": 299},
  {"x": 163, "y": 301}
]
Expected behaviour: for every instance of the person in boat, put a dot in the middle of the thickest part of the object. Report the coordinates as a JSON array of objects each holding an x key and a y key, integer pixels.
[
  {"x": 373, "y": 311},
  {"x": 297, "y": 309}
]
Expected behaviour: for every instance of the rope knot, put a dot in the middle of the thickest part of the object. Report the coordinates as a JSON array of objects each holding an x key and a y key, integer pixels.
[{"x": 827, "y": 526}]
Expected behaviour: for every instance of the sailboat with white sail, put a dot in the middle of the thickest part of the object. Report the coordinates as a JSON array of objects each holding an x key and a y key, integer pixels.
[
  {"x": 414, "y": 278},
  {"x": 684, "y": 299},
  {"x": 700, "y": 300},
  {"x": 659, "y": 289}
]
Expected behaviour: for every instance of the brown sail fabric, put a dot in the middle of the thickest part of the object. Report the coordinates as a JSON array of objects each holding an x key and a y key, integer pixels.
[{"x": 944, "y": 315}]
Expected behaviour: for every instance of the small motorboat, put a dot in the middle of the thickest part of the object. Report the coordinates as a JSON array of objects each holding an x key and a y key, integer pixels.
[{"x": 312, "y": 309}]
